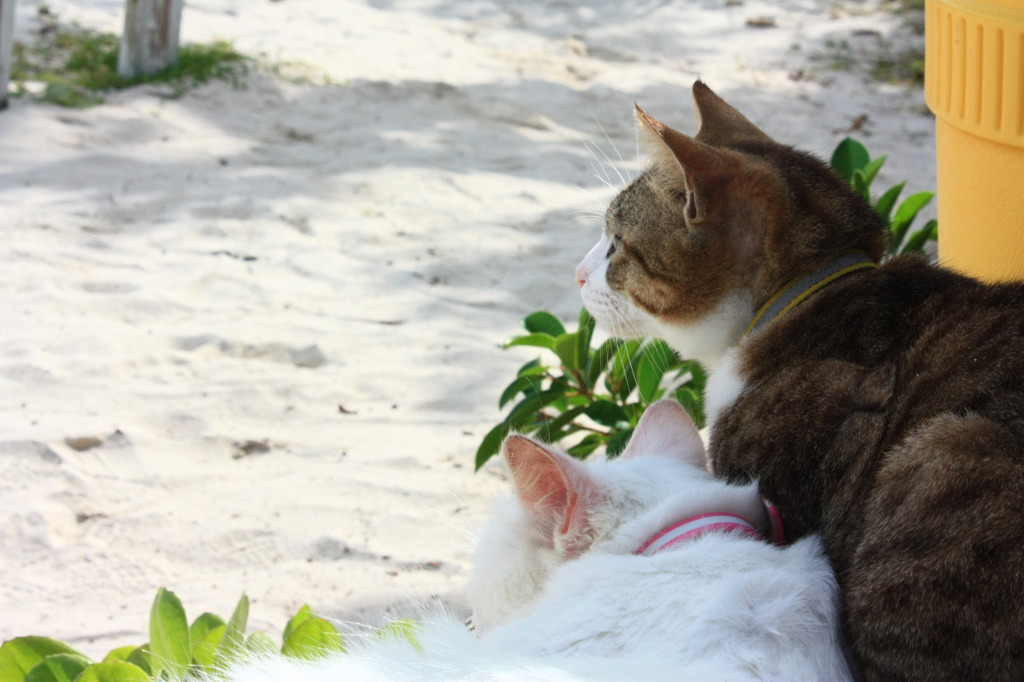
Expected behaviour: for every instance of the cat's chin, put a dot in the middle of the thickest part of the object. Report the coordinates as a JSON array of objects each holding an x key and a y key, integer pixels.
[
  {"x": 708, "y": 339},
  {"x": 616, "y": 315}
]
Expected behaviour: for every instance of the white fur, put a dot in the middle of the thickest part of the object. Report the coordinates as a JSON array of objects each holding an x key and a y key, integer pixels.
[
  {"x": 723, "y": 388},
  {"x": 707, "y": 339},
  {"x": 721, "y": 607},
  {"x": 704, "y": 340}
]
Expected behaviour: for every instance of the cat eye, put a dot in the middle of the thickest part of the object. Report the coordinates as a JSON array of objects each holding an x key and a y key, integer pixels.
[{"x": 616, "y": 241}]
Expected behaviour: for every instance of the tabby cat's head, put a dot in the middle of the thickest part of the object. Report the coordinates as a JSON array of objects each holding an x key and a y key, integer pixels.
[{"x": 713, "y": 227}]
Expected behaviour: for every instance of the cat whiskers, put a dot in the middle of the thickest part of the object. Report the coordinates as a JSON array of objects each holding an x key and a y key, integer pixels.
[
  {"x": 620, "y": 310},
  {"x": 596, "y": 216},
  {"x": 601, "y": 162},
  {"x": 603, "y": 203},
  {"x": 598, "y": 167},
  {"x": 622, "y": 161}
]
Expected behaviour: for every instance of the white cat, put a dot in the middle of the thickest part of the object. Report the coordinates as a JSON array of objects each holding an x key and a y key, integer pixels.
[{"x": 640, "y": 568}]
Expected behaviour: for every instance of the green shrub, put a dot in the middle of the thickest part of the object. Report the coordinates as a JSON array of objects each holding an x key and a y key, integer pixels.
[
  {"x": 598, "y": 393},
  {"x": 177, "y": 649},
  {"x": 852, "y": 161}
]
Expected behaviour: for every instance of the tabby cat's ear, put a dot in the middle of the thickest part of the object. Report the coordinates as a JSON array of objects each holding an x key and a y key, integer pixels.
[
  {"x": 720, "y": 123},
  {"x": 556, "y": 491},
  {"x": 666, "y": 429},
  {"x": 682, "y": 165}
]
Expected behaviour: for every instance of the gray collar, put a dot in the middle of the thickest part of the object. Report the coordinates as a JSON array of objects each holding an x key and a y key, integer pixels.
[{"x": 803, "y": 286}]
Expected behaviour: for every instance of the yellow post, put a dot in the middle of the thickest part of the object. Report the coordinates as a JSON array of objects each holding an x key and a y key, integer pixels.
[{"x": 974, "y": 83}]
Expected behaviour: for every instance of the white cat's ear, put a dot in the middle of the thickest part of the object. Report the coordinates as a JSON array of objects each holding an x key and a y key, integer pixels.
[
  {"x": 666, "y": 429},
  {"x": 684, "y": 165},
  {"x": 721, "y": 123},
  {"x": 556, "y": 490}
]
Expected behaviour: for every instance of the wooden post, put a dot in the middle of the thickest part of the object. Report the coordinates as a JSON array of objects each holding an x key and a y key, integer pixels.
[
  {"x": 6, "y": 47},
  {"x": 150, "y": 40}
]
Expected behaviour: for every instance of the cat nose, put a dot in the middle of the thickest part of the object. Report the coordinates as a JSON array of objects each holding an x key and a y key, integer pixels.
[{"x": 581, "y": 275}]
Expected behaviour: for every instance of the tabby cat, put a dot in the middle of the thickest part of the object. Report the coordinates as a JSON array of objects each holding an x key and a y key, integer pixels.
[{"x": 880, "y": 405}]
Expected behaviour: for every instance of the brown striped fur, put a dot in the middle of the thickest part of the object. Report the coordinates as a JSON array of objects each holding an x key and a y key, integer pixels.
[{"x": 886, "y": 412}]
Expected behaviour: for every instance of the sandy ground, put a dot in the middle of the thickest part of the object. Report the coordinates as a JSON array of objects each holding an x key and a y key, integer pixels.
[{"x": 277, "y": 311}]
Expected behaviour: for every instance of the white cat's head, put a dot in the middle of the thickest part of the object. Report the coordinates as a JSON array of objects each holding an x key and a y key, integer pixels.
[{"x": 564, "y": 507}]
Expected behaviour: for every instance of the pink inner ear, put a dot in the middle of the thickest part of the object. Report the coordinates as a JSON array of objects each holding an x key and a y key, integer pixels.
[
  {"x": 555, "y": 489},
  {"x": 692, "y": 198},
  {"x": 537, "y": 474},
  {"x": 666, "y": 429}
]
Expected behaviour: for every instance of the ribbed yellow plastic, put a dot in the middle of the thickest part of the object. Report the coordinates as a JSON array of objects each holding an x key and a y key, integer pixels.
[{"x": 974, "y": 83}]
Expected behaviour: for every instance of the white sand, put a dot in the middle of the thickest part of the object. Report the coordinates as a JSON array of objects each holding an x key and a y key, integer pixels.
[{"x": 170, "y": 267}]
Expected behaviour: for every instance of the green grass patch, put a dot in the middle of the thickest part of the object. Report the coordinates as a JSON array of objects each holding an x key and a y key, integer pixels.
[
  {"x": 898, "y": 58},
  {"x": 886, "y": 63},
  {"x": 902, "y": 67},
  {"x": 77, "y": 65}
]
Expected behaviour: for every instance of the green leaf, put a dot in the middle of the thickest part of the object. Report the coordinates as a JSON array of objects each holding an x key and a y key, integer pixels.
[
  {"x": 58, "y": 668},
  {"x": 698, "y": 375},
  {"x": 204, "y": 650},
  {"x": 921, "y": 237},
  {"x": 117, "y": 671},
  {"x": 871, "y": 169},
  {"x": 260, "y": 642},
  {"x": 549, "y": 431},
  {"x": 565, "y": 349},
  {"x": 141, "y": 659},
  {"x": 491, "y": 444},
  {"x": 692, "y": 403},
  {"x": 859, "y": 183},
  {"x": 556, "y": 436},
  {"x": 312, "y": 639},
  {"x": 607, "y": 413},
  {"x": 585, "y": 319},
  {"x": 621, "y": 380},
  {"x": 849, "y": 155},
  {"x": 584, "y": 337},
  {"x": 589, "y": 443},
  {"x": 234, "y": 634},
  {"x": 203, "y": 624},
  {"x": 526, "y": 411},
  {"x": 403, "y": 629},
  {"x": 634, "y": 411},
  {"x": 885, "y": 204},
  {"x": 544, "y": 323},
  {"x": 302, "y": 615},
  {"x": 617, "y": 443},
  {"x": 121, "y": 653},
  {"x": 520, "y": 385},
  {"x": 657, "y": 358},
  {"x": 170, "y": 646},
  {"x": 912, "y": 205},
  {"x": 905, "y": 215},
  {"x": 598, "y": 362},
  {"x": 19, "y": 655},
  {"x": 536, "y": 340},
  {"x": 576, "y": 400},
  {"x": 532, "y": 368}
]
